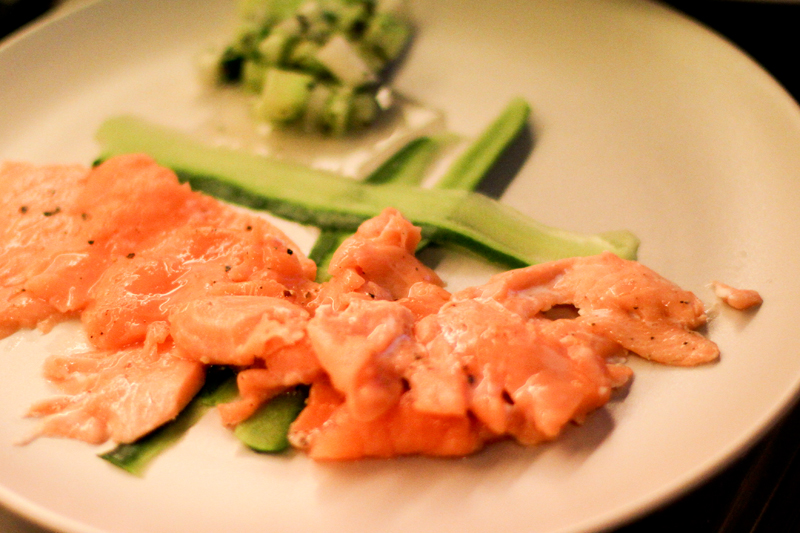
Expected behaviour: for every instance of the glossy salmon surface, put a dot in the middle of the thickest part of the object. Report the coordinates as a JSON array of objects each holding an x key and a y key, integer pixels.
[
  {"x": 133, "y": 253},
  {"x": 489, "y": 362},
  {"x": 167, "y": 281}
]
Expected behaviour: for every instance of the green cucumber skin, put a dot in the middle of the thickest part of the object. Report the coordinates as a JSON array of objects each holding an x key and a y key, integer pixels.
[
  {"x": 329, "y": 201},
  {"x": 267, "y": 429},
  {"x": 470, "y": 168},
  {"x": 408, "y": 165},
  {"x": 517, "y": 241}
]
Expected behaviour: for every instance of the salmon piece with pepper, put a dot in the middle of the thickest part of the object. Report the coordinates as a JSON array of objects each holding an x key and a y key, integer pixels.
[
  {"x": 64, "y": 225},
  {"x": 189, "y": 263},
  {"x": 121, "y": 246},
  {"x": 34, "y": 235},
  {"x": 495, "y": 358},
  {"x": 621, "y": 300},
  {"x": 117, "y": 395},
  {"x": 124, "y": 238}
]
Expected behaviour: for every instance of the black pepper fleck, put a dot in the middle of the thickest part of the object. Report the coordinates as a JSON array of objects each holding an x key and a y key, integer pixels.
[
  {"x": 131, "y": 255},
  {"x": 23, "y": 209},
  {"x": 55, "y": 211}
]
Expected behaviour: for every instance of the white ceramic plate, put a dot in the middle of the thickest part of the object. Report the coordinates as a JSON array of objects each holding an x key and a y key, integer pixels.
[{"x": 642, "y": 120}]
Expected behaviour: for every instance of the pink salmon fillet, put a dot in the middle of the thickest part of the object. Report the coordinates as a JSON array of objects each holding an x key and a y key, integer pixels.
[{"x": 167, "y": 281}]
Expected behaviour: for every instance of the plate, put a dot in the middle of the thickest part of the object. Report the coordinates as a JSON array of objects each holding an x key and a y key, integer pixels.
[{"x": 642, "y": 120}]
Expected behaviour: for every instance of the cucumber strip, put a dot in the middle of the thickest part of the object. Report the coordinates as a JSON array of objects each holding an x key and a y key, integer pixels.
[
  {"x": 324, "y": 247},
  {"x": 135, "y": 457},
  {"x": 329, "y": 201},
  {"x": 468, "y": 170},
  {"x": 406, "y": 166},
  {"x": 266, "y": 430}
]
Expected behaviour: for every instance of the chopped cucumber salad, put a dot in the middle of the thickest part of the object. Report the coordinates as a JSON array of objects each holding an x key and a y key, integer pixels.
[{"x": 318, "y": 65}]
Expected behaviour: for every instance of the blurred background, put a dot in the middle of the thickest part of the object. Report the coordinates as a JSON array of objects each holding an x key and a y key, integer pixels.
[{"x": 766, "y": 30}]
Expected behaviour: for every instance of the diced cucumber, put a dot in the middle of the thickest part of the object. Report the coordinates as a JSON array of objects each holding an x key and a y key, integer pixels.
[
  {"x": 349, "y": 17},
  {"x": 231, "y": 64},
  {"x": 289, "y": 26},
  {"x": 316, "y": 106},
  {"x": 340, "y": 43},
  {"x": 253, "y": 73},
  {"x": 284, "y": 95},
  {"x": 275, "y": 48},
  {"x": 303, "y": 56},
  {"x": 364, "y": 109},
  {"x": 342, "y": 59},
  {"x": 267, "y": 11},
  {"x": 336, "y": 117},
  {"x": 387, "y": 35}
]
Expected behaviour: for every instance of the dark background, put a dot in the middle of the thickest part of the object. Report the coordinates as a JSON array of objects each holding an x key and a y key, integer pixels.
[
  {"x": 14, "y": 13},
  {"x": 769, "y": 32}
]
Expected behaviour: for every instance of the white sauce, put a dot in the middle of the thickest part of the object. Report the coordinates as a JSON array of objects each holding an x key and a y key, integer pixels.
[{"x": 231, "y": 124}]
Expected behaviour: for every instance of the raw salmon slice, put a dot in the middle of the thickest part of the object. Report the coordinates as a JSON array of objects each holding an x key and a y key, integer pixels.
[
  {"x": 491, "y": 362},
  {"x": 35, "y": 233},
  {"x": 167, "y": 281},
  {"x": 117, "y": 395},
  {"x": 378, "y": 263},
  {"x": 122, "y": 245},
  {"x": 327, "y": 431},
  {"x": 739, "y": 299},
  {"x": 264, "y": 336},
  {"x": 621, "y": 300}
]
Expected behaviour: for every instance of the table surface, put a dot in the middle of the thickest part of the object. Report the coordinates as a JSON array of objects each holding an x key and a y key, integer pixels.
[{"x": 760, "y": 492}]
